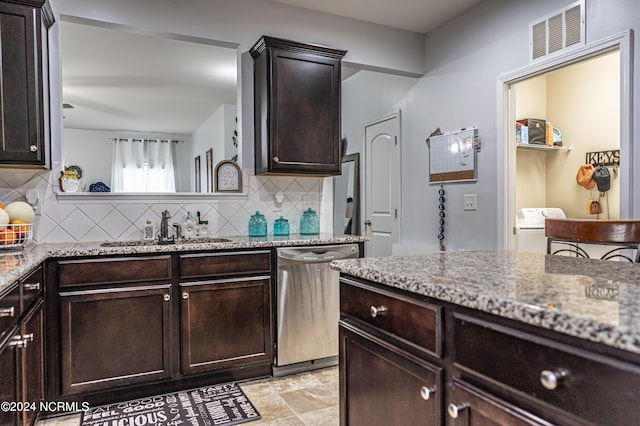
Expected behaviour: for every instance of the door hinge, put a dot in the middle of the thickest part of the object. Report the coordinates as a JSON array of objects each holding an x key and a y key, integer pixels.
[
  {"x": 514, "y": 231},
  {"x": 396, "y": 213},
  {"x": 395, "y": 138}
]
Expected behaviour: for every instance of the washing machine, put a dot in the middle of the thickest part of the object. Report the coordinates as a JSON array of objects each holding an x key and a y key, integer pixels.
[{"x": 530, "y": 228}]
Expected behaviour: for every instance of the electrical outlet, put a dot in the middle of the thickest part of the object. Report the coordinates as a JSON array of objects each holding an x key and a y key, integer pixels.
[{"x": 470, "y": 201}]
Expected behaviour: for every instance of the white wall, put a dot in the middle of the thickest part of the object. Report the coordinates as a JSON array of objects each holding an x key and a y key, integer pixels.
[
  {"x": 362, "y": 105},
  {"x": 216, "y": 133},
  {"x": 242, "y": 22},
  {"x": 464, "y": 59}
]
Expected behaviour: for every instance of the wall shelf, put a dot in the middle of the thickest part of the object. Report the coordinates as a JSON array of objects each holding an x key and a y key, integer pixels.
[{"x": 544, "y": 147}]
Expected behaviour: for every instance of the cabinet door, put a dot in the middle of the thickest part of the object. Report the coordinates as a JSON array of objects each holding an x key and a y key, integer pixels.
[
  {"x": 21, "y": 83},
  {"x": 9, "y": 377},
  {"x": 225, "y": 323},
  {"x": 380, "y": 385},
  {"x": 472, "y": 407},
  {"x": 114, "y": 336},
  {"x": 33, "y": 363},
  {"x": 305, "y": 113}
]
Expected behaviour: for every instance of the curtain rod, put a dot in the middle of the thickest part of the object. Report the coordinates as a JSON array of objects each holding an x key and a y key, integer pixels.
[{"x": 146, "y": 139}]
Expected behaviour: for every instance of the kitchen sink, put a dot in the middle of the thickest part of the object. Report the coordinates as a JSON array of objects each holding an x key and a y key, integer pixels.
[{"x": 137, "y": 243}]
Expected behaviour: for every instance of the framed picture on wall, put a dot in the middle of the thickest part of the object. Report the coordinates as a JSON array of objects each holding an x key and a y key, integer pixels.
[
  {"x": 198, "y": 176},
  {"x": 209, "y": 156},
  {"x": 228, "y": 177}
]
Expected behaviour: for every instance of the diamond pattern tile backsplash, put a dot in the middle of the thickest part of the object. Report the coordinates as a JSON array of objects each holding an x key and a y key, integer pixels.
[{"x": 65, "y": 221}]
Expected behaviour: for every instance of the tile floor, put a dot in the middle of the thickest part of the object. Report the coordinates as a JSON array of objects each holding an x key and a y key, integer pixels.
[{"x": 305, "y": 399}]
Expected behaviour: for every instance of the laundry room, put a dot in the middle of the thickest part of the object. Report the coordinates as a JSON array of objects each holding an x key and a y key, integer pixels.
[{"x": 568, "y": 146}]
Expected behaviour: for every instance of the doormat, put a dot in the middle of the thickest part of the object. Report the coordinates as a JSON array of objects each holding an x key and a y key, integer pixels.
[{"x": 220, "y": 405}]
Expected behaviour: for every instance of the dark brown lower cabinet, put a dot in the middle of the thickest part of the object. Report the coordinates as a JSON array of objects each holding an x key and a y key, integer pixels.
[
  {"x": 225, "y": 322},
  {"x": 32, "y": 371},
  {"x": 383, "y": 386},
  {"x": 492, "y": 371},
  {"x": 114, "y": 336},
  {"x": 124, "y": 327},
  {"x": 22, "y": 369},
  {"x": 9, "y": 370}
]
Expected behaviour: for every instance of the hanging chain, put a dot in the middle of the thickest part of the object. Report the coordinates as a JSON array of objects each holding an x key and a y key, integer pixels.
[{"x": 442, "y": 215}]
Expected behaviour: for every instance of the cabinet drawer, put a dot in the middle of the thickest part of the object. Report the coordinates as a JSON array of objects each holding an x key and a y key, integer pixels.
[
  {"x": 31, "y": 288},
  {"x": 470, "y": 406},
  {"x": 224, "y": 263},
  {"x": 596, "y": 388},
  {"x": 9, "y": 308},
  {"x": 416, "y": 322},
  {"x": 114, "y": 270}
]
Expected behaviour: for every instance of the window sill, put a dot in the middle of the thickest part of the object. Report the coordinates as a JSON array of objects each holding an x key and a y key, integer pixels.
[{"x": 147, "y": 197}]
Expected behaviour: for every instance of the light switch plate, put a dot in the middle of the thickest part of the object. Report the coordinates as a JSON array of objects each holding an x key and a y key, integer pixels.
[{"x": 470, "y": 201}]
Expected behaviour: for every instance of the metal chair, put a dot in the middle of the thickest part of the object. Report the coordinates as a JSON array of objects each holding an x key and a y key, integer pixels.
[{"x": 622, "y": 235}]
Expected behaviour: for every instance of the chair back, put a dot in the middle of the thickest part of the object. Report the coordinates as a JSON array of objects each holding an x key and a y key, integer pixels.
[{"x": 570, "y": 235}]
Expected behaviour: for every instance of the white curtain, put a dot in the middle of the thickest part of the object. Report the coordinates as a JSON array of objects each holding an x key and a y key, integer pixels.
[
  {"x": 142, "y": 166},
  {"x": 160, "y": 176}
]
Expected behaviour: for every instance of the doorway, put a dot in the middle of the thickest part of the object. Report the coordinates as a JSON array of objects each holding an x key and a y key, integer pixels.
[
  {"x": 382, "y": 183},
  {"x": 544, "y": 176}
]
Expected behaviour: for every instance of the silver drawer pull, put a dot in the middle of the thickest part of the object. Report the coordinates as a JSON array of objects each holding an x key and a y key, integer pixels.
[
  {"x": 27, "y": 337},
  {"x": 166, "y": 297},
  {"x": 377, "y": 311},
  {"x": 454, "y": 410},
  {"x": 276, "y": 159},
  {"x": 552, "y": 379},
  {"x": 18, "y": 342},
  {"x": 427, "y": 392},
  {"x": 31, "y": 286},
  {"x": 33, "y": 148},
  {"x": 8, "y": 312},
  {"x": 185, "y": 295}
]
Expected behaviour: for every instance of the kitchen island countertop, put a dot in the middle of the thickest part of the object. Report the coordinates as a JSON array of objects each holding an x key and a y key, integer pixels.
[
  {"x": 589, "y": 299},
  {"x": 15, "y": 264}
]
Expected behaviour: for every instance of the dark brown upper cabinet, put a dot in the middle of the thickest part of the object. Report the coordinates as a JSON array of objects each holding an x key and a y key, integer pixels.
[
  {"x": 296, "y": 108},
  {"x": 24, "y": 82}
]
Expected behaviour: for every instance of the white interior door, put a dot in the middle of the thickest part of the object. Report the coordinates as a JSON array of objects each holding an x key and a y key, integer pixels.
[{"x": 382, "y": 185}]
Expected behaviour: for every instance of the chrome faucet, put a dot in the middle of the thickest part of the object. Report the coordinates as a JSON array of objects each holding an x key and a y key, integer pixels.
[{"x": 163, "y": 237}]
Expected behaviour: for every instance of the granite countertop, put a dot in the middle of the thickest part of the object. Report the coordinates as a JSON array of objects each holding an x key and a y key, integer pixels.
[
  {"x": 590, "y": 299},
  {"x": 16, "y": 263}
]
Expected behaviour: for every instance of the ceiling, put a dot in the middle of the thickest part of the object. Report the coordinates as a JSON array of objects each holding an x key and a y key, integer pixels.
[
  {"x": 125, "y": 79},
  {"x": 420, "y": 16}
]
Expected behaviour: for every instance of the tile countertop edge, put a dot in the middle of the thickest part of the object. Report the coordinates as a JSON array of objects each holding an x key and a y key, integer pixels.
[
  {"x": 450, "y": 290},
  {"x": 15, "y": 264}
]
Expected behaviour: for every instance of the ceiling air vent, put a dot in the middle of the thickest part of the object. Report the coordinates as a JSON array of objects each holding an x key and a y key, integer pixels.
[{"x": 558, "y": 31}]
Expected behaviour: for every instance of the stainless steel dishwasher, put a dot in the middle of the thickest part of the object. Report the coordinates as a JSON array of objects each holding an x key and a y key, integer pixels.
[{"x": 307, "y": 297}]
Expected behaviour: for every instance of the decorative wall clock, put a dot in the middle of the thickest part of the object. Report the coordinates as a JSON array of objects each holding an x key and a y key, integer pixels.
[{"x": 228, "y": 177}]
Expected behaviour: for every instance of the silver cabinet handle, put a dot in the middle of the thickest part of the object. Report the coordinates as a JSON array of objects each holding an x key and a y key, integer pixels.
[
  {"x": 552, "y": 379},
  {"x": 166, "y": 297},
  {"x": 33, "y": 148},
  {"x": 367, "y": 222},
  {"x": 8, "y": 312},
  {"x": 377, "y": 311},
  {"x": 18, "y": 342},
  {"x": 31, "y": 286},
  {"x": 427, "y": 392},
  {"x": 27, "y": 337},
  {"x": 454, "y": 410},
  {"x": 185, "y": 295},
  {"x": 276, "y": 159}
]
